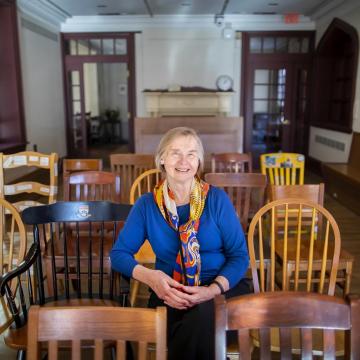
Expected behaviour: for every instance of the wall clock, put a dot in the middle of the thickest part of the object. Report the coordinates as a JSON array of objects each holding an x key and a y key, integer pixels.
[{"x": 224, "y": 83}]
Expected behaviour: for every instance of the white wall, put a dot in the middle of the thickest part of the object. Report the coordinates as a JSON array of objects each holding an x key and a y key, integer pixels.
[
  {"x": 191, "y": 57},
  {"x": 43, "y": 88},
  {"x": 323, "y": 152}
]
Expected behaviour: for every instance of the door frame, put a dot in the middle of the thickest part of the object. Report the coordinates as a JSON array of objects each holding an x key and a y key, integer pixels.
[
  {"x": 281, "y": 59},
  {"x": 71, "y": 61}
]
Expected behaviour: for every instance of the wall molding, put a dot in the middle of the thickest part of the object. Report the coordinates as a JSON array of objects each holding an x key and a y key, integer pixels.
[{"x": 139, "y": 23}]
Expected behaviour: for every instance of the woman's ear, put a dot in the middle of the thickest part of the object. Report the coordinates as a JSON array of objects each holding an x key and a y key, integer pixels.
[{"x": 161, "y": 161}]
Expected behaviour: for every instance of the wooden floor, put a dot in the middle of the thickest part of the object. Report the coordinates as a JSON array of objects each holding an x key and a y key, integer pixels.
[{"x": 349, "y": 224}]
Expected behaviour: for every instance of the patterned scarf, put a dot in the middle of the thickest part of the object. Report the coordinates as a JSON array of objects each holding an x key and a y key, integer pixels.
[{"x": 188, "y": 262}]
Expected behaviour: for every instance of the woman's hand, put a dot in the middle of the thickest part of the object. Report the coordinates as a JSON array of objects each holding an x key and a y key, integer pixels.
[
  {"x": 169, "y": 290},
  {"x": 163, "y": 285},
  {"x": 198, "y": 294}
]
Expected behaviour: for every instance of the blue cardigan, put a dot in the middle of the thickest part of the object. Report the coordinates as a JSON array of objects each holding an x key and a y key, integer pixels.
[{"x": 223, "y": 248}]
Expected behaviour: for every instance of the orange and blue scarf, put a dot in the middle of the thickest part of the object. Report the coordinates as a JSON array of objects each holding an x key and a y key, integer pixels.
[{"x": 188, "y": 263}]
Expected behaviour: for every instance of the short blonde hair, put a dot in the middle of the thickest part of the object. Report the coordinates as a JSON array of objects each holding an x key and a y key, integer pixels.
[{"x": 171, "y": 135}]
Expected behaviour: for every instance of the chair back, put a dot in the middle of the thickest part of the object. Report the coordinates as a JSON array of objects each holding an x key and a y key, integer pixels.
[
  {"x": 76, "y": 238},
  {"x": 295, "y": 251},
  {"x": 32, "y": 191},
  {"x": 231, "y": 162},
  {"x": 283, "y": 168},
  {"x": 129, "y": 167},
  {"x": 287, "y": 311},
  {"x": 144, "y": 183},
  {"x": 92, "y": 186},
  {"x": 97, "y": 325},
  {"x": 245, "y": 190},
  {"x": 12, "y": 250},
  {"x": 309, "y": 192},
  {"x": 74, "y": 165}
]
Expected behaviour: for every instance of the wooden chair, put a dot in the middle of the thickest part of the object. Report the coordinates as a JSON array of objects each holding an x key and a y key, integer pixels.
[
  {"x": 78, "y": 270},
  {"x": 142, "y": 184},
  {"x": 75, "y": 165},
  {"x": 296, "y": 253},
  {"x": 283, "y": 168},
  {"x": 315, "y": 193},
  {"x": 12, "y": 250},
  {"x": 29, "y": 193},
  {"x": 246, "y": 191},
  {"x": 284, "y": 260},
  {"x": 92, "y": 185},
  {"x": 231, "y": 162},
  {"x": 129, "y": 167},
  {"x": 100, "y": 325},
  {"x": 287, "y": 311}
]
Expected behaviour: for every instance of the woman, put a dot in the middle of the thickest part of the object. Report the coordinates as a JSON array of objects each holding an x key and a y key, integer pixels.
[{"x": 198, "y": 241}]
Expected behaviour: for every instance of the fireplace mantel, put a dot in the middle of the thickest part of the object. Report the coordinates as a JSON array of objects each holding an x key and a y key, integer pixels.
[{"x": 181, "y": 103}]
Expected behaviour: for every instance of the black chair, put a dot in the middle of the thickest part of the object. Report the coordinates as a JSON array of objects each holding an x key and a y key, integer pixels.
[{"x": 72, "y": 241}]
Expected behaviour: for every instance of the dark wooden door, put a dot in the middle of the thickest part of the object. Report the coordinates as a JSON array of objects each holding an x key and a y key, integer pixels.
[{"x": 276, "y": 94}]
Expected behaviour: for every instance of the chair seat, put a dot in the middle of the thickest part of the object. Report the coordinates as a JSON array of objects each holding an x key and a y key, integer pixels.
[{"x": 17, "y": 338}]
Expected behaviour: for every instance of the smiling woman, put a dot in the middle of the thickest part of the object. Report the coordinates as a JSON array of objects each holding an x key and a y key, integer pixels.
[{"x": 198, "y": 242}]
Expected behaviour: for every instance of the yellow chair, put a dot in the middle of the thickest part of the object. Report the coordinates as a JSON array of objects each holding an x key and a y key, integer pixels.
[
  {"x": 12, "y": 251},
  {"x": 33, "y": 193},
  {"x": 283, "y": 168},
  {"x": 142, "y": 184}
]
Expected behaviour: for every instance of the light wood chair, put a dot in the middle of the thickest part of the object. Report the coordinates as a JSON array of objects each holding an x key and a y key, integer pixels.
[
  {"x": 129, "y": 167},
  {"x": 99, "y": 325},
  {"x": 75, "y": 165},
  {"x": 315, "y": 193},
  {"x": 33, "y": 193},
  {"x": 231, "y": 162},
  {"x": 287, "y": 311},
  {"x": 283, "y": 168},
  {"x": 299, "y": 252},
  {"x": 12, "y": 250},
  {"x": 91, "y": 186},
  {"x": 246, "y": 192},
  {"x": 142, "y": 184},
  {"x": 284, "y": 260}
]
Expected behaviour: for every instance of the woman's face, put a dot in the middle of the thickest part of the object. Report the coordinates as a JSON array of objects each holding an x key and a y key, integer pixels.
[{"x": 181, "y": 159}]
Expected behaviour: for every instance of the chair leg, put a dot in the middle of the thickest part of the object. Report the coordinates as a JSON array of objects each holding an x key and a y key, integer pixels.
[
  {"x": 21, "y": 355},
  {"x": 134, "y": 292}
]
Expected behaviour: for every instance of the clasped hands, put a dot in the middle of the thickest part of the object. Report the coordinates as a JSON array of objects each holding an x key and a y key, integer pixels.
[{"x": 180, "y": 296}]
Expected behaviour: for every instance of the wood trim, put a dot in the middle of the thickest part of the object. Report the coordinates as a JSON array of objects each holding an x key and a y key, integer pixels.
[
  {"x": 12, "y": 124},
  {"x": 332, "y": 109}
]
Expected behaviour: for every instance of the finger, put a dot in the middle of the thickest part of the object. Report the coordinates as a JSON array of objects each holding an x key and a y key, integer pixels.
[
  {"x": 175, "y": 306},
  {"x": 191, "y": 289},
  {"x": 178, "y": 297},
  {"x": 175, "y": 302}
]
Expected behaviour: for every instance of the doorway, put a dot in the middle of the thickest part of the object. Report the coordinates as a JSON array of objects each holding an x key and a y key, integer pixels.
[
  {"x": 276, "y": 82},
  {"x": 100, "y": 93}
]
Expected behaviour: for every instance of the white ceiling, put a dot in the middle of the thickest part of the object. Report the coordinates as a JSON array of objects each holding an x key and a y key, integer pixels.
[{"x": 190, "y": 7}]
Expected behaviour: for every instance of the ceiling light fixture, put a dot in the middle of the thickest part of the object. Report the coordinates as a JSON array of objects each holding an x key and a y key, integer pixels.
[{"x": 228, "y": 32}]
